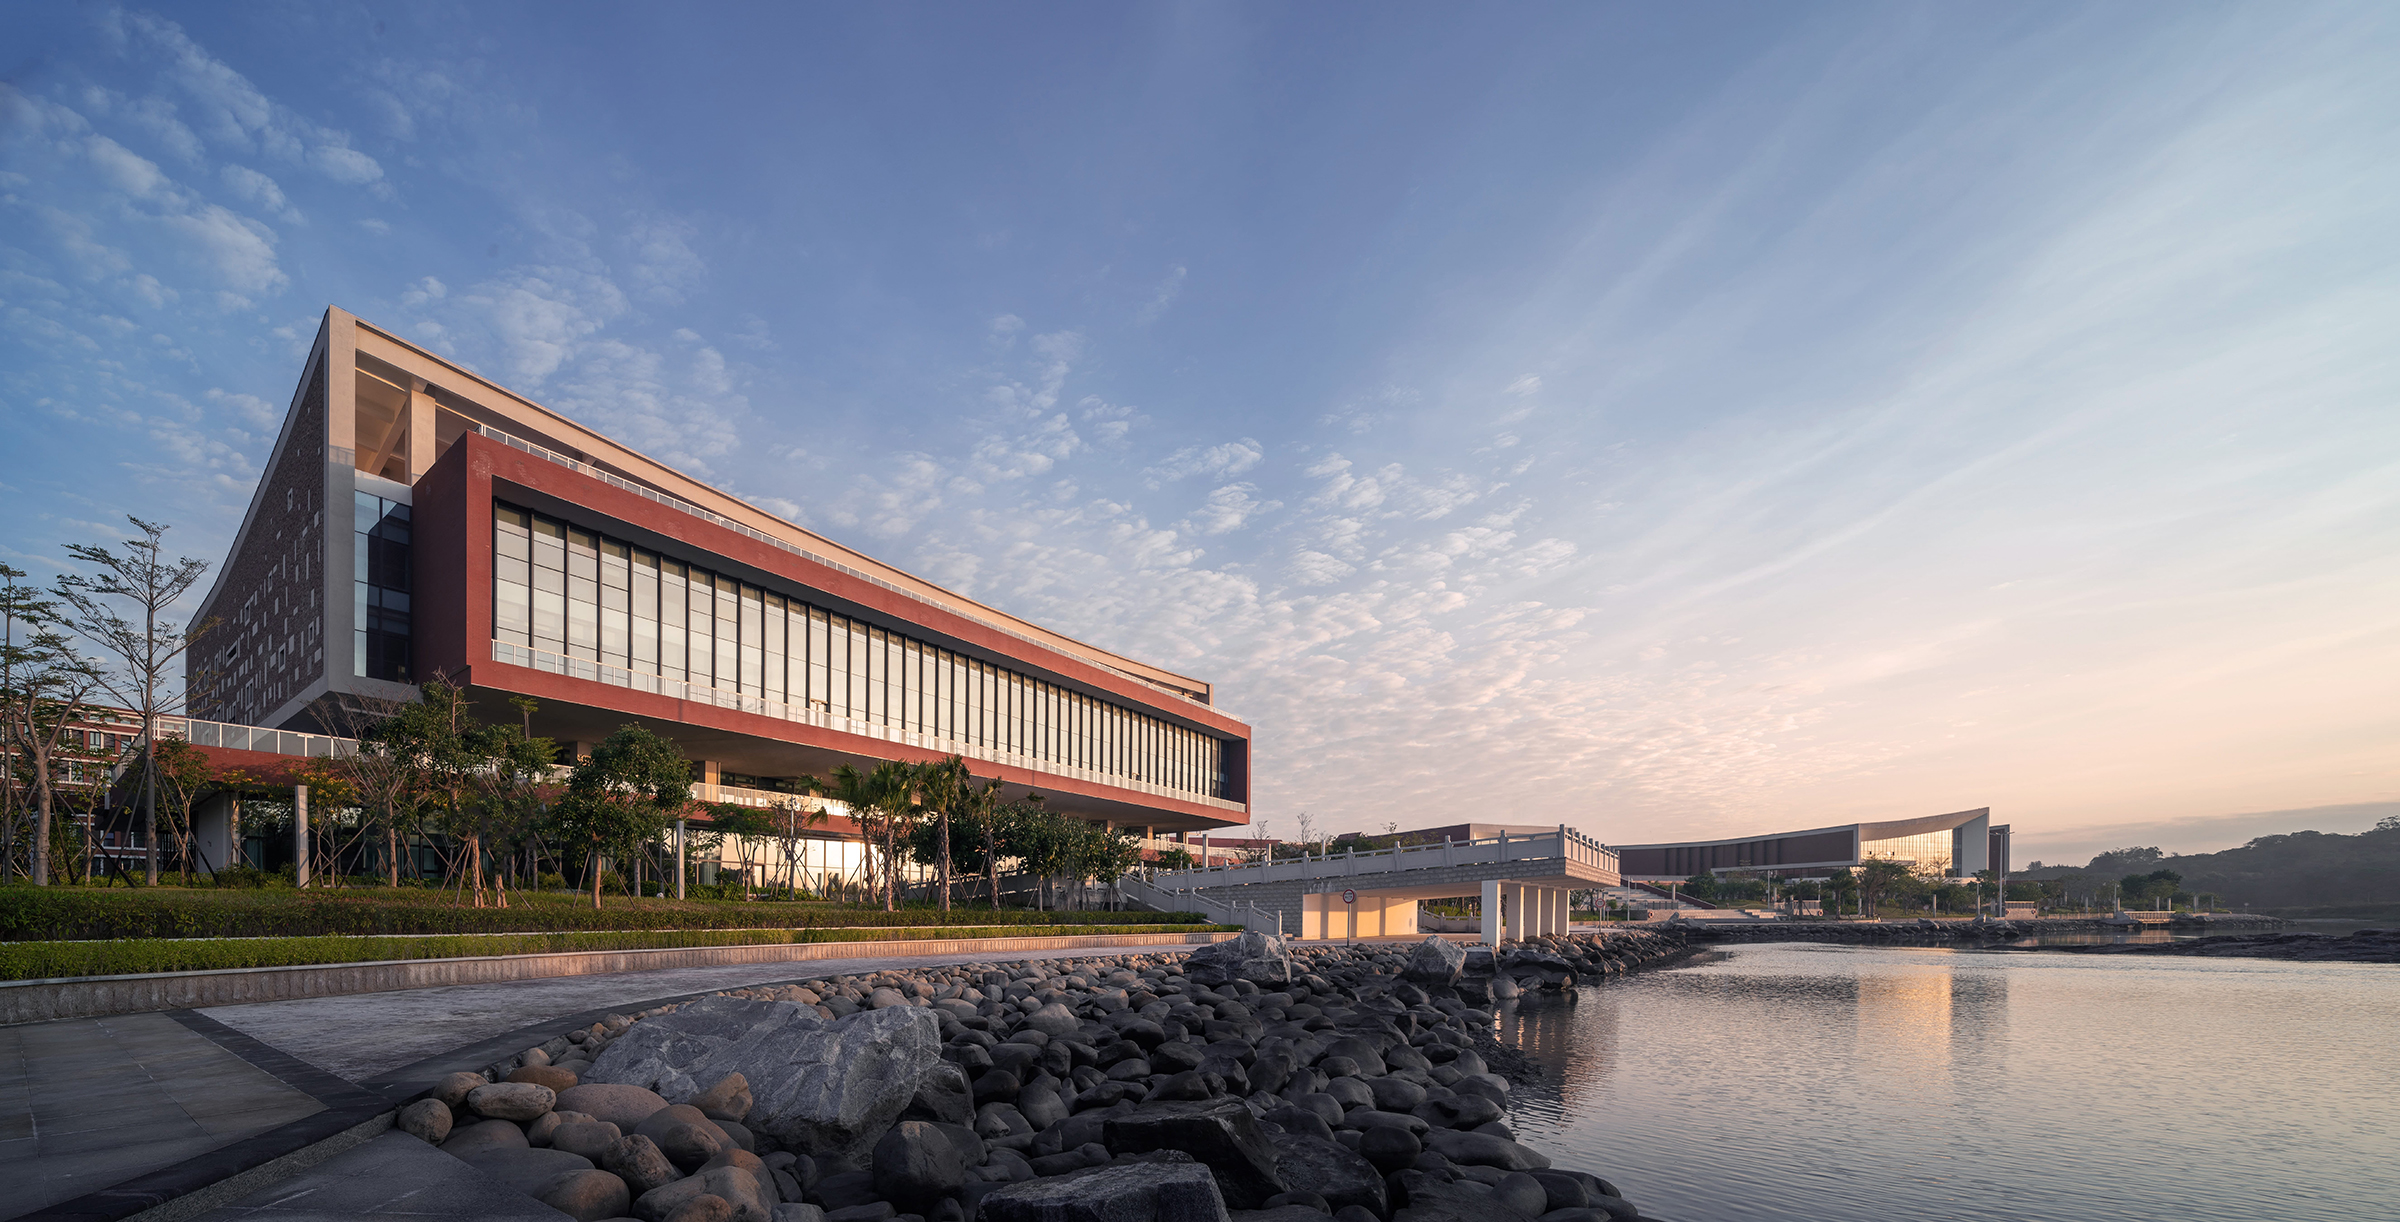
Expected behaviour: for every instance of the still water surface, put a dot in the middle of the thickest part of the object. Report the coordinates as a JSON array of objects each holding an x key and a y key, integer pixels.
[{"x": 1833, "y": 1083}]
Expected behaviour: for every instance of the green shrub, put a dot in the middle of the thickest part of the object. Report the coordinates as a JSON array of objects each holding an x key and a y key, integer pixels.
[
  {"x": 29, "y": 913},
  {"x": 48, "y": 960}
]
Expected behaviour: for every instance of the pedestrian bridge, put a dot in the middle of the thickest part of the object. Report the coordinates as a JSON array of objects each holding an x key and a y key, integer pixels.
[{"x": 1524, "y": 882}]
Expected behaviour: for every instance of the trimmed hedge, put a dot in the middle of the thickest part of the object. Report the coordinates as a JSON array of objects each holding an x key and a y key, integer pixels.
[
  {"x": 45, "y": 960},
  {"x": 29, "y": 914}
]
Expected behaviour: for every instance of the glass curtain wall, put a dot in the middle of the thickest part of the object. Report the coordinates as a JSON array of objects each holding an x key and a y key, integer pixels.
[
  {"x": 380, "y": 588},
  {"x": 567, "y": 591},
  {"x": 1926, "y": 851}
]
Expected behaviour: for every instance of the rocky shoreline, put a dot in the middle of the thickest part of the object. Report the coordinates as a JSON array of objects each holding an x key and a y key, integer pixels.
[
  {"x": 1249, "y": 1081},
  {"x": 1942, "y": 933},
  {"x": 2362, "y": 946}
]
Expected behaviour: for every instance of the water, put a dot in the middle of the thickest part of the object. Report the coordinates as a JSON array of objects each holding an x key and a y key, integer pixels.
[{"x": 1830, "y": 1083}]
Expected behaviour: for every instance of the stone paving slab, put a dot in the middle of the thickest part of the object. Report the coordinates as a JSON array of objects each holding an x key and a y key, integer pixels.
[
  {"x": 392, "y": 1176},
  {"x": 94, "y": 1102}
]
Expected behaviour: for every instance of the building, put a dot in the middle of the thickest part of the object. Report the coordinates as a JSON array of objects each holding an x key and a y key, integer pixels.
[
  {"x": 1958, "y": 844},
  {"x": 417, "y": 520}
]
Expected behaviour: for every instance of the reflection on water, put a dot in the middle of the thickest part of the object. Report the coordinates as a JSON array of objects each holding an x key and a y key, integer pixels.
[{"x": 1838, "y": 1082}]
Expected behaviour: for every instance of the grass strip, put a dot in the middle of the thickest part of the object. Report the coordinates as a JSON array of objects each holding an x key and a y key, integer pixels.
[
  {"x": 31, "y": 914},
  {"x": 46, "y": 960}
]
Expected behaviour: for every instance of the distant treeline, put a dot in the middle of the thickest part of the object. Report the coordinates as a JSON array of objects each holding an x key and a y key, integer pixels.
[{"x": 2300, "y": 873}]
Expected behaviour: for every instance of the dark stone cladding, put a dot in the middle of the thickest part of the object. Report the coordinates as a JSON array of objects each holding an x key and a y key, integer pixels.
[{"x": 267, "y": 642}]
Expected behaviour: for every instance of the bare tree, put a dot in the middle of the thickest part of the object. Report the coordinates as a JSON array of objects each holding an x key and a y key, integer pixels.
[
  {"x": 137, "y": 574},
  {"x": 383, "y": 773},
  {"x": 50, "y": 686}
]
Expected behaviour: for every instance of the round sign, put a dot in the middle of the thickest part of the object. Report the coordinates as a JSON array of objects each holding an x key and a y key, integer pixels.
[{"x": 1349, "y": 896}]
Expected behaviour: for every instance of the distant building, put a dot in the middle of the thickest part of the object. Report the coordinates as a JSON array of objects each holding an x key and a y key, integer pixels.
[{"x": 1957, "y": 844}]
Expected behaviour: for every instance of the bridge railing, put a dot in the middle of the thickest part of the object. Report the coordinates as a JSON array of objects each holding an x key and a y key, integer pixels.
[
  {"x": 1565, "y": 845},
  {"x": 1162, "y": 899}
]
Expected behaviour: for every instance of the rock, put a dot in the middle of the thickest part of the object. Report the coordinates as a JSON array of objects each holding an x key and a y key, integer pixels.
[
  {"x": 793, "y": 1211},
  {"x": 686, "y": 1137},
  {"x": 452, "y": 1090},
  {"x": 828, "y": 1088},
  {"x": 1483, "y": 1150},
  {"x": 674, "y": 1054},
  {"x": 589, "y": 1138},
  {"x": 1330, "y": 1170},
  {"x": 1562, "y": 1191},
  {"x": 1138, "y": 1192},
  {"x": 916, "y": 1165},
  {"x": 640, "y": 1163},
  {"x": 511, "y": 1100},
  {"x": 526, "y": 1170},
  {"x": 943, "y": 1097},
  {"x": 620, "y": 1105},
  {"x": 1055, "y": 1021},
  {"x": 586, "y": 1196},
  {"x": 545, "y": 1075},
  {"x": 1523, "y": 1193},
  {"x": 427, "y": 1120},
  {"x": 1395, "y": 1094},
  {"x": 707, "y": 1207},
  {"x": 873, "y": 1211},
  {"x": 1256, "y": 957},
  {"x": 885, "y": 999},
  {"x": 738, "y": 1186},
  {"x": 1390, "y": 1149},
  {"x": 729, "y": 1099},
  {"x": 1433, "y": 1200},
  {"x": 740, "y": 1134},
  {"x": 1221, "y": 1133},
  {"x": 485, "y": 1135}
]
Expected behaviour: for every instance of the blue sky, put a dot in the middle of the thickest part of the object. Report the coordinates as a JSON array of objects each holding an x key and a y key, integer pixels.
[{"x": 1668, "y": 420}]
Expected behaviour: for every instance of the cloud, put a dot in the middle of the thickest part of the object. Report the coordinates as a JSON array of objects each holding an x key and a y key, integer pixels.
[
  {"x": 232, "y": 111},
  {"x": 1162, "y": 297},
  {"x": 1217, "y": 461},
  {"x": 1529, "y": 384},
  {"x": 539, "y": 315},
  {"x": 123, "y": 169},
  {"x": 1229, "y": 509},
  {"x": 250, "y": 186},
  {"x": 240, "y": 250},
  {"x": 665, "y": 269}
]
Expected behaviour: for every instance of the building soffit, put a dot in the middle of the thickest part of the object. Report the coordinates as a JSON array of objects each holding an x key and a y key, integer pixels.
[{"x": 505, "y": 410}]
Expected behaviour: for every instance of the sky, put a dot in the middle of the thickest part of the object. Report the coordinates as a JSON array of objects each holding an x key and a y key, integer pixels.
[{"x": 1672, "y": 421}]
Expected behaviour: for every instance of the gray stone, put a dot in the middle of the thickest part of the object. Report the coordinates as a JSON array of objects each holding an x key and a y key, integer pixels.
[
  {"x": 527, "y": 1170},
  {"x": 1055, "y": 1021},
  {"x": 1252, "y": 956},
  {"x": 1220, "y": 1133},
  {"x": 586, "y": 1196},
  {"x": 1523, "y": 1193},
  {"x": 511, "y": 1100},
  {"x": 1435, "y": 961},
  {"x": 737, "y": 1185},
  {"x": 916, "y": 1165},
  {"x": 589, "y": 1138},
  {"x": 427, "y": 1120},
  {"x": 1433, "y": 1200},
  {"x": 620, "y": 1105},
  {"x": 686, "y": 1137},
  {"x": 1139, "y": 1192},
  {"x": 706, "y": 1207},
  {"x": 1395, "y": 1094},
  {"x": 872, "y": 1211},
  {"x": 794, "y": 1211},
  {"x": 1562, "y": 1191},
  {"x": 1330, "y": 1170},
  {"x": 676, "y": 1054},
  {"x": 729, "y": 1099},
  {"x": 1483, "y": 1150},
  {"x": 1390, "y": 1149},
  {"x": 942, "y": 1097},
  {"x": 485, "y": 1135},
  {"x": 640, "y": 1163},
  {"x": 452, "y": 1089},
  {"x": 552, "y": 1076}
]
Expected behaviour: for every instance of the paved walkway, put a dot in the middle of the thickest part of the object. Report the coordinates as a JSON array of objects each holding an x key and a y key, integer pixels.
[
  {"x": 102, "y": 1117},
  {"x": 93, "y": 1102}
]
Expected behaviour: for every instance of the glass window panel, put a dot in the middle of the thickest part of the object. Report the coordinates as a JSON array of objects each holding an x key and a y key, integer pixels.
[
  {"x": 701, "y": 598},
  {"x": 674, "y": 647},
  {"x": 645, "y": 612},
  {"x": 819, "y": 655},
  {"x": 729, "y": 634},
  {"x": 857, "y": 662},
  {"x": 616, "y": 603},
  {"x": 877, "y": 703},
  {"x": 753, "y": 639},
  {"x": 776, "y": 613}
]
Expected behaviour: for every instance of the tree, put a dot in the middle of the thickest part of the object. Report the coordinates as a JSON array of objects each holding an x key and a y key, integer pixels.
[
  {"x": 748, "y": 827},
  {"x": 184, "y": 773},
  {"x": 48, "y": 686},
  {"x": 382, "y": 773},
  {"x": 623, "y": 795},
  {"x": 139, "y": 575},
  {"x": 508, "y": 772},
  {"x": 791, "y": 817},
  {"x": 1878, "y": 877},
  {"x": 945, "y": 785}
]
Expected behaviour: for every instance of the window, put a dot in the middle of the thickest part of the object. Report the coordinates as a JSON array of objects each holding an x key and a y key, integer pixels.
[{"x": 380, "y": 589}]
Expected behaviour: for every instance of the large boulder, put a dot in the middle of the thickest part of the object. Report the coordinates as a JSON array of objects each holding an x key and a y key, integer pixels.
[
  {"x": 1331, "y": 1170},
  {"x": 737, "y": 1185},
  {"x": 1124, "y": 1192},
  {"x": 1435, "y": 961},
  {"x": 620, "y": 1105},
  {"x": 1252, "y": 956},
  {"x": 664, "y": 1053},
  {"x": 916, "y": 1165},
  {"x": 1221, "y": 1133},
  {"x": 586, "y": 1196},
  {"x": 1484, "y": 1150},
  {"x": 824, "y": 1088}
]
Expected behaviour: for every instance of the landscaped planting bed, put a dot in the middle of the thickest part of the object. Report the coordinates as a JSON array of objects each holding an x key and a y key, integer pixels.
[
  {"x": 79, "y": 913},
  {"x": 47, "y": 960}
]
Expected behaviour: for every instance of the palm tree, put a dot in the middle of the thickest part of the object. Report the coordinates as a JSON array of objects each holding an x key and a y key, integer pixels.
[{"x": 944, "y": 784}]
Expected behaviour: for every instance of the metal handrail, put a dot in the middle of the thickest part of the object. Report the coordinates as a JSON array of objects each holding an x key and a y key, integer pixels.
[{"x": 1565, "y": 844}]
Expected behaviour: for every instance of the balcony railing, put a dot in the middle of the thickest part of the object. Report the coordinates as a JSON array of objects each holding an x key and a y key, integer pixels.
[
  {"x": 644, "y": 681},
  {"x": 1565, "y": 846},
  {"x": 228, "y": 736}
]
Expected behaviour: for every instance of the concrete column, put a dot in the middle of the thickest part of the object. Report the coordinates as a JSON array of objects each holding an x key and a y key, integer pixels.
[
  {"x": 300, "y": 832},
  {"x": 683, "y": 865},
  {"x": 1514, "y": 929},
  {"x": 1491, "y": 912},
  {"x": 212, "y": 832}
]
